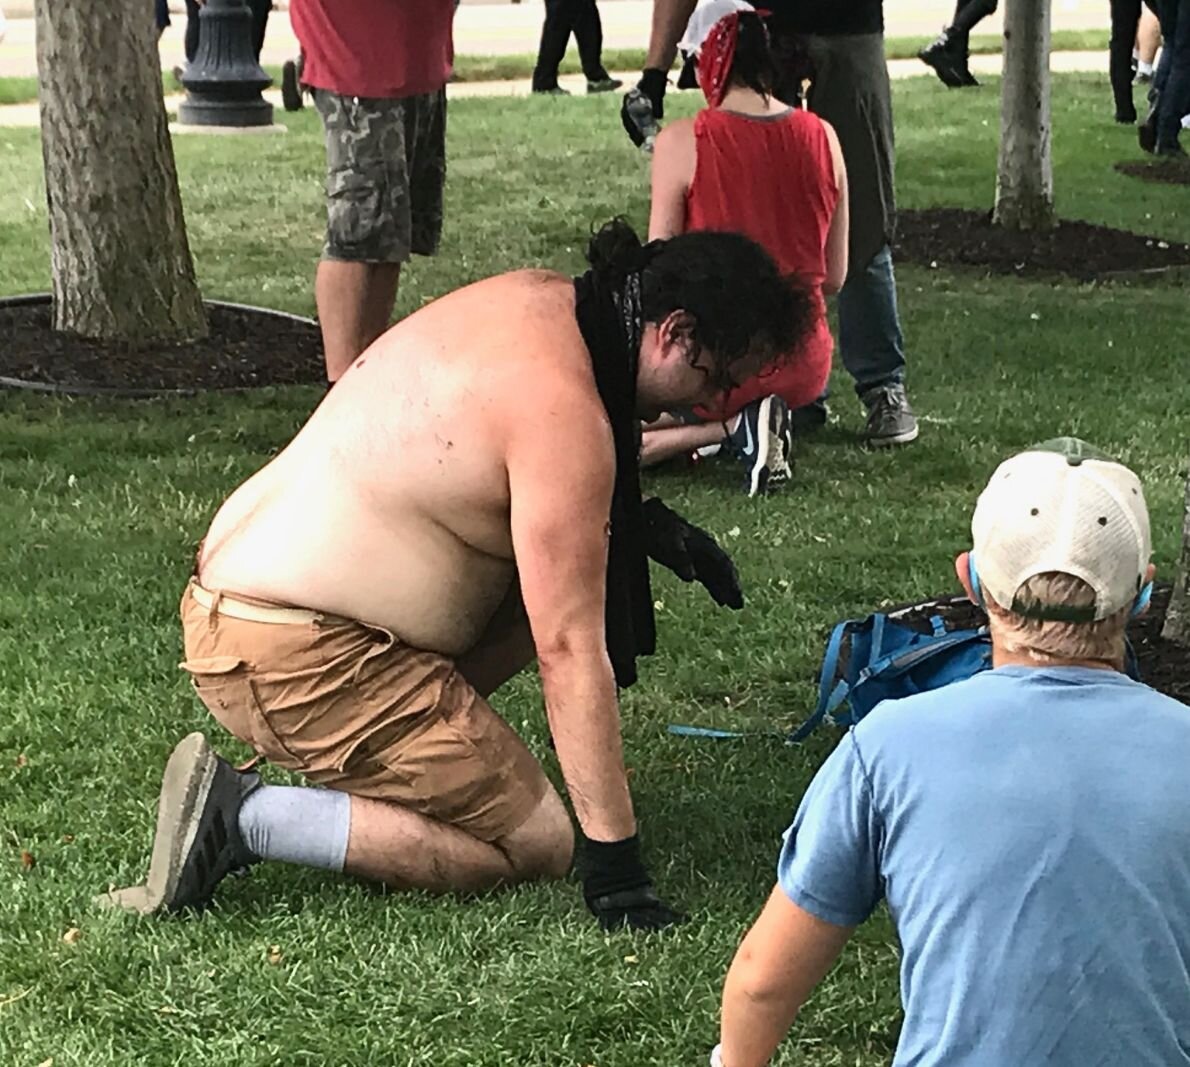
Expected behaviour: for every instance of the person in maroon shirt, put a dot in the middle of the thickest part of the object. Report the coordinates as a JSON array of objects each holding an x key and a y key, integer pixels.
[
  {"x": 377, "y": 72},
  {"x": 715, "y": 172}
]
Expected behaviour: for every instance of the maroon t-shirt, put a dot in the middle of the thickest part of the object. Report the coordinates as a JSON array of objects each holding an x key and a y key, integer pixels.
[{"x": 375, "y": 48}]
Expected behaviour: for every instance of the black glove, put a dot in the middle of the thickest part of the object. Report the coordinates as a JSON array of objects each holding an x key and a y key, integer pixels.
[
  {"x": 652, "y": 84},
  {"x": 691, "y": 553},
  {"x": 617, "y": 888}
]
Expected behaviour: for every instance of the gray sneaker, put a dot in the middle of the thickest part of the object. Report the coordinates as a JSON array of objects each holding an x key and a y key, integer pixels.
[
  {"x": 890, "y": 418},
  {"x": 198, "y": 841}
]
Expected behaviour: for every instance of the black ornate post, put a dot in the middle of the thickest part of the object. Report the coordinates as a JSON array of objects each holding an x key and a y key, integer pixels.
[{"x": 224, "y": 81}]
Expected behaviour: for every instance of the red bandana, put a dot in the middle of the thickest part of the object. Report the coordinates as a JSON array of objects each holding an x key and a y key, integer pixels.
[{"x": 715, "y": 58}]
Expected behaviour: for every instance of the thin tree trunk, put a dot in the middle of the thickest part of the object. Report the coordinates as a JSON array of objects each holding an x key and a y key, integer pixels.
[
  {"x": 1177, "y": 615},
  {"x": 1025, "y": 175},
  {"x": 121, "y": 262}
]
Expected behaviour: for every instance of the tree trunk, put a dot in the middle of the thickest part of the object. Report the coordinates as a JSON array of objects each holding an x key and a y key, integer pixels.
[
  {"x": 1177, "y": 615},
  {"x": 1025, "y": 174},
  {"x": 121, "y": 263}
]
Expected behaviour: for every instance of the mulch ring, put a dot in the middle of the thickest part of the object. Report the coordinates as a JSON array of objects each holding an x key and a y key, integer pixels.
[
  {"x": 1166, "y": 171},
  {"x": 246, "y": 348},
  {"x": 1162, "y": 664},
  {"x": 948, "y": 237}
]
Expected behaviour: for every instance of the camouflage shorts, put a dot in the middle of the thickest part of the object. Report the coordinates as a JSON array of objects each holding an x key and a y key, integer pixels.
[{"x": 386, "y": 165}]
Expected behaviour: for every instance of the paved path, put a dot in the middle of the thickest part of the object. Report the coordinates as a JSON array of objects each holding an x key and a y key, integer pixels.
[
  {"x": 486, "y": 28},
  {"x": 26, "y": 114}
]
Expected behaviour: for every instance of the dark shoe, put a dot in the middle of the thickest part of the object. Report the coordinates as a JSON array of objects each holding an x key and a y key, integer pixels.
[
  {"x": 555, "y": 90},
  {"x": 1126, "y": 117},
  {"x": 198, "y": 841},
  {"x": 948, "y": 64},
  {"x": 1146, "y": 132},
  {"x": 763, "y": 441},
  {"x": 291, "y": 89},
  {"x": 969, "y": 79},
  {"x": 606, "y": 84},
  {"x": 1143, "y": 79},
  {"x": 890, "y": 418},
  {"x": 809, "y": 417},
  {"x": 639, "y": 118},
  {"x": 1170, "y": 151}
]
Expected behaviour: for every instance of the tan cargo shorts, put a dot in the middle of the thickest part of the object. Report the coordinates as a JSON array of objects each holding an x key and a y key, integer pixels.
[{"x": 353, "y": 708}]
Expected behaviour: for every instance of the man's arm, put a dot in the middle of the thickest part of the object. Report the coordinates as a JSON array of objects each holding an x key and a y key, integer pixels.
[
  {"x": 668, "y": 25},
  {"x": 561, "y": 469},
  {"x": 783, "y": 957}
]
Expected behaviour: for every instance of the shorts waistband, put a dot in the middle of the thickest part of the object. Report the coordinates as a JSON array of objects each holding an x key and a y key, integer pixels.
[{"x": 219, "y": 603}]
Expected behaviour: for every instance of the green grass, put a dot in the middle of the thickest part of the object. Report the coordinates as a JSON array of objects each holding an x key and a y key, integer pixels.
[
  {"x": 478, "y": 68},
  {"x": 101, "y": 504}
]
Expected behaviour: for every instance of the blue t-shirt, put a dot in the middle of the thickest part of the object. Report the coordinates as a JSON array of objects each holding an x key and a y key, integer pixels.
[{"x": 1030, "y": 830}]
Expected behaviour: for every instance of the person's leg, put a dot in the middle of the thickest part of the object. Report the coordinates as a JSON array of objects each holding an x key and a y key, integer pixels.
[
  {"x": 443, "y": 795},
  {"x": 1146, "y": 132},
  {"x": 368, "y": 224},
  {"x": 1125, "y": 15},
  {"x": 1174, "y": 90},
  {"x": 555, "y": 35},
  {"x": 1148, "y": 40},
  {"x": 355, "y": 304},
  {"x": 872, "y": 350},
  {"x": 193, "y": 27},
  {"x": 588, "y": 32},
  {"x": 260, "y": 22}
]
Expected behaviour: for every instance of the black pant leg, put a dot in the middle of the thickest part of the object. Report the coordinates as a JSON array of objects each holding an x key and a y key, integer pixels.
[
  {"x": 555, "y": 35},
  {"x": 588, "y": 31}
]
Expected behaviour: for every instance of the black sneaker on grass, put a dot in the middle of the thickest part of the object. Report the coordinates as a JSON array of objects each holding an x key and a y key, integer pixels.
[
  {"x": 198, "y": 841},
  {"x": 606, "y": 84},
  {"x": 948, "y": 63},
  {"x": 763, "y": 441},
  {"x": 890, "y": 418}
]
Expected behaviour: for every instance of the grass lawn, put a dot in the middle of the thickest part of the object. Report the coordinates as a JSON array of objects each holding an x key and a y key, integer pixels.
[{"x": 101, "y": 505}]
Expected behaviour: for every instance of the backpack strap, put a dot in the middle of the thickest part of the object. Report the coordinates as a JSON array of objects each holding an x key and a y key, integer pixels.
[{"x": 828, "y": 699}]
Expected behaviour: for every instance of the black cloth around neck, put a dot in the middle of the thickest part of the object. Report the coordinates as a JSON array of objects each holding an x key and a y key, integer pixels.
[{"x": 608, "y": 314}]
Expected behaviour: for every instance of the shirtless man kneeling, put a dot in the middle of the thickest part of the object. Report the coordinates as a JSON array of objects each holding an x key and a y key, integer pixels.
[{"x": 454, "y": 491}]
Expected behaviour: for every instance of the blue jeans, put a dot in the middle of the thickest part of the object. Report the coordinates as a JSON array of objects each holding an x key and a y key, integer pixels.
[
  {"x": 1171, "y": 82},
  {"x": 870, "y": 341}
]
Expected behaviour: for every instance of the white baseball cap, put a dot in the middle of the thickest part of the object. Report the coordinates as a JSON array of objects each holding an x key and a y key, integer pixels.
[
  {"x": 703, "y": 20},
  {"x": 1062, "y": 506}
]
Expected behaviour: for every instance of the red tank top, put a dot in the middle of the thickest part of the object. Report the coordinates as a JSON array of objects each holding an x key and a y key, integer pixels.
[
  {"x": 375, "y": 48},
  {"x": 771, "y": 179}
]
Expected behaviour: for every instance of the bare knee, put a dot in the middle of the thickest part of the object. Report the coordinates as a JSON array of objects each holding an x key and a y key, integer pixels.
[{"x": 542, "y": 847}]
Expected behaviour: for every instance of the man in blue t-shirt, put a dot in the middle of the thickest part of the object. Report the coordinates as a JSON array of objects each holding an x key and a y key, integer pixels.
[{"x": 1029, "y": 827}]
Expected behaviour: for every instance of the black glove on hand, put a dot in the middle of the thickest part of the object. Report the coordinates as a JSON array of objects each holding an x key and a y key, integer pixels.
[
  {"x": 691, "y": 553},
  {"x": 617, "y": 888},
  {"x": 652, "y": 85}
]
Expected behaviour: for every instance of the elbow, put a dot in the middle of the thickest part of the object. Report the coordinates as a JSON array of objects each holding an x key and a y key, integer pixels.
[{"x": 832, "y": 285}]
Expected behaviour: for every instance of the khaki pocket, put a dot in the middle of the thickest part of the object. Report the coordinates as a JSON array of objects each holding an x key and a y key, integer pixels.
[{"x": 224, "y": 685}]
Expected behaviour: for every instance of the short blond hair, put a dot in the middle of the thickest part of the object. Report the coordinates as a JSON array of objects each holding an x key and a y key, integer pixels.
[{"x": 1047, "y": 639}]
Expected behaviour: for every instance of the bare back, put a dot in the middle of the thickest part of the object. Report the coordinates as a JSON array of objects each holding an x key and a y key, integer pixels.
[{"x": 391, "y": 505}]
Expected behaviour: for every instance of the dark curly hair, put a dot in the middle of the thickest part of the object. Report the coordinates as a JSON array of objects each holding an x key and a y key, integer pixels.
[{"x": 737, "y": 304}]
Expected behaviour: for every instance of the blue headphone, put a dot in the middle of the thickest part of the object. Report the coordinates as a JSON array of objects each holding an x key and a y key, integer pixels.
[{"x": 1138, "y": 605}]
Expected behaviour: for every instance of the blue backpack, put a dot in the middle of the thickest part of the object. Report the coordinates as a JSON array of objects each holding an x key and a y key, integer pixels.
[
  {"x": 889, "y": 655},
  {"x": 906, "y": 650}
]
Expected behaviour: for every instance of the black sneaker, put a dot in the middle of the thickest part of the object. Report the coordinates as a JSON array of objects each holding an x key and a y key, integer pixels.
[
  {"x": 606, "y": 84},
  {"x": 198, "y": 841},
  {"x": 554, "y": 90},
  {"x": 291, "y": 89},
  {"x": 1126, "y": 116},
  {"x": 947, "y": 63},
  {"x": 1146, "y": 132},
  {"x": 1170, "y": 151},
  {"x": 763, "y": 441},
  {"x": 890, "y": 418}
]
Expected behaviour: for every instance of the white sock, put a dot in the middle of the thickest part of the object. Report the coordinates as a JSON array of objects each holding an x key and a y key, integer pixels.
[
  {"x": 297, "y": 825},
  {"x": 1144, "y": 68}
]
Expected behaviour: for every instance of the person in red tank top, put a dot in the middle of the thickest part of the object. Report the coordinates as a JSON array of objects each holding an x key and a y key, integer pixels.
[{"x": 750, "y": 164}]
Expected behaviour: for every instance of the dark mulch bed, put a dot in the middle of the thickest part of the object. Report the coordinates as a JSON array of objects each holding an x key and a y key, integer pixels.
[
  {"x": 1169, "y": 172},
  {"x": 947, "y": 237},
  {"x": 1163, "y": 665},
  {"x": 245, "y": 348}
]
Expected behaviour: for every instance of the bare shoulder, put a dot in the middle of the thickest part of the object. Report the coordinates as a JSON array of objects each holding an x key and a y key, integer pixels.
[{"x": 675, "y": 142}]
